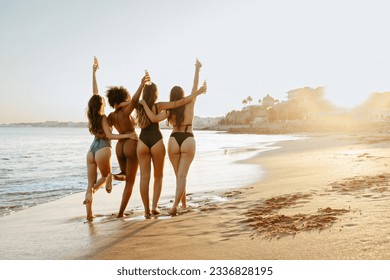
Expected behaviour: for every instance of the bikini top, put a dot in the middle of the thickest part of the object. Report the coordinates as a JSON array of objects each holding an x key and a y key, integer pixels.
[
  {"x": 124, "y": 124},
  {"x": 186, "y": 125}
]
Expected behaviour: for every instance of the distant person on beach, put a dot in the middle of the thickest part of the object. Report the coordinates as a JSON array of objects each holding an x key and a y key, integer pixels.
[
  {"x": 181, "y": 144},
  {"x": 151, "y": 146},
  {"x": 99, "y": 154},
  {"x": 126, "y": 149}
]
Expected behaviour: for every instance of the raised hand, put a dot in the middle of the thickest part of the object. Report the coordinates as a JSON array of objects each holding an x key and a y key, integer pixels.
[
  {"x": 95, "y": 64},
  {"x": 145, "y": 79},
  {"x": 203, "y": 88},
  {"x": 198, "y": 65}
]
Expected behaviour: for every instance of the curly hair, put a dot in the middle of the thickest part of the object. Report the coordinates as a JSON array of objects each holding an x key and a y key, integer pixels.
[
  {"x": 94, "y": 114},
  {"x": 150, "y": 94},
  {"x": 176, "y": 115},
  {"x": 116, "y": 95}
]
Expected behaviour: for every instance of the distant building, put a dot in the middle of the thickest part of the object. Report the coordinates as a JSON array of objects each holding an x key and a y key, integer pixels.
[
  {"x": 306, "y": 94},
  {"x": 268, "y": 101}
]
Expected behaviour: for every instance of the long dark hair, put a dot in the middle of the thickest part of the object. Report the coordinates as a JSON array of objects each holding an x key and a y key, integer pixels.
[
  {"x": 94, "y": 114},
  {"x": 150, "y": 95},
  {"x": 176, "y": 115}
]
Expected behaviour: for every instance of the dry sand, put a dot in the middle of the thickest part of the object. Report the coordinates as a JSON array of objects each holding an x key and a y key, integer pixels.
[{"x": 325, "y": 197}]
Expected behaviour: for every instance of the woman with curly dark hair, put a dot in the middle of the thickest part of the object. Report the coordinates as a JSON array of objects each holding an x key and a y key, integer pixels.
[
  {"x": 181, "y": 144},
  {"x": 151, "y": 147},
  {"x": 126, "y": 149},
  {"x": 99, "y": 154}
]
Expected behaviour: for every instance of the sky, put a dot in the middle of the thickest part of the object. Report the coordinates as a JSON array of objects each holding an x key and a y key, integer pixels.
[{"x": 247, "y": 48}]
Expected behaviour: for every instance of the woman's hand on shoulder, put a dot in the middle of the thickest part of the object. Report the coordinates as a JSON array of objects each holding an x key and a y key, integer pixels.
[{"x": 142, "y": 102}]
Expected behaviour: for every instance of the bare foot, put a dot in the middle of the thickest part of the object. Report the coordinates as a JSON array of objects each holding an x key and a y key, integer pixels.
[
  {"x": 156, "y": 212},
  {"x": 88, "y": 196},
  {"x": 109, "y": 183},
  {"x": 173, "y": 211},
  {"x": 90, "y": 218},
  {"x": 119, "y": 177}
]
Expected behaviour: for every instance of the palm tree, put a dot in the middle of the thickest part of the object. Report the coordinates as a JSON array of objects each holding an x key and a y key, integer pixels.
[
  {"x": 249, "y": 99},
  {"x": 244, "y": 102}
]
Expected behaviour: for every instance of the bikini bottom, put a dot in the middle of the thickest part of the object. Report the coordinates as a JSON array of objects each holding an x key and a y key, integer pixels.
[
  {"x": 150, "y": 138},
  {"x": 98, "y": 144},
  {"x": 181, "y": 136}
]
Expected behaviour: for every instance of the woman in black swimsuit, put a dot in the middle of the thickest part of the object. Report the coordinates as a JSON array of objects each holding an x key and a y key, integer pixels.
[
  {"x": 99, "y": 154},
  {"x": 126, "y": 150},
  {"x": 181, "y": 144},
  {"x": 151, "y": 146}
]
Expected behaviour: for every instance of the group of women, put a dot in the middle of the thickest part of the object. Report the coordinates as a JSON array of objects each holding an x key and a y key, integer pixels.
[{"x": 144, "y": 150}]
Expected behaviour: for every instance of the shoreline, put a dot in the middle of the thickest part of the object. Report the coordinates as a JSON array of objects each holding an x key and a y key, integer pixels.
[
  {"x": 302, "y": 177},
  {"x": 300, "y": 172},
  {"x": 48, "y": 225}
]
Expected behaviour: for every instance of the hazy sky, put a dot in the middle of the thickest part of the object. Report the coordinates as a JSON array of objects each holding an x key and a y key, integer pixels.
[{"x": 247, "y": 48}]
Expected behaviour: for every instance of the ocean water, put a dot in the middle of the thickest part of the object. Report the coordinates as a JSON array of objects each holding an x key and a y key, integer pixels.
[{"x": 41, "y": 164}]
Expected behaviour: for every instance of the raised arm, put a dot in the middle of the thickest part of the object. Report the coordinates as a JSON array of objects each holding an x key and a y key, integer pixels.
[
  {"x": 183, "y": 101},
  {"x": 198, "y": 65},
  {"x": 155, "y": 118},
  {"x": 95, "y": 89},
  {"x": 107, "y": 131},
  {"x": 130, "y": 105}
]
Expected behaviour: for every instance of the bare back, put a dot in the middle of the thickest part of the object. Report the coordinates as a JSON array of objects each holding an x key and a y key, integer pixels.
[
  {"x": 122, "y": 121},
  {"x": 186, "y": 125}
]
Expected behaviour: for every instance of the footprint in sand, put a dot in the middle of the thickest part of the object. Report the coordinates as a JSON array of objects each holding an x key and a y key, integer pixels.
[{"x": 350, "y": 225}]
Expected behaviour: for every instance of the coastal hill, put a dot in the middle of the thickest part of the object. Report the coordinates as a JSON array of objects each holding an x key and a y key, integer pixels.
[{"x": 307, "y": 110}]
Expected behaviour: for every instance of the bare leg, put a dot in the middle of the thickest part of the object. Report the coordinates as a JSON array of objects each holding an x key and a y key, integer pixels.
[
  {"x": 130, "y": 151},
  {"x": 184, "y": 200},
  {"x": 187, "y": 155},
  {"x": 99, "y": 184},
  {"x": 120, "y": 156},
  {"x": 144, "y": 158},
  {"x": 101, "y": 160},
  {"x": 92, "y": 176},
  {"x": 158, "y": 156},
  {"x": 174, "y": 157},
  {"x": 119, "y": 176}
]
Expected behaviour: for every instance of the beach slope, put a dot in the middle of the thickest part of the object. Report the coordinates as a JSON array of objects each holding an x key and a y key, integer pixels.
[{"x": 325, "y": 197}]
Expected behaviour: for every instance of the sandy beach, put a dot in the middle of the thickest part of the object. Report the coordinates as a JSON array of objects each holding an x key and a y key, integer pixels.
[{"x": 324, "y": 197}]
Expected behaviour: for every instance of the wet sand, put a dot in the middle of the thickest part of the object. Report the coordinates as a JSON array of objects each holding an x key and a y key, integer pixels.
[{"x": 325, "y": 197}]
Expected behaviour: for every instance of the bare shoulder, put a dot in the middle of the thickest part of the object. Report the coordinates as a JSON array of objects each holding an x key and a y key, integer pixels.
[{"x": 110, "y": 118}]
